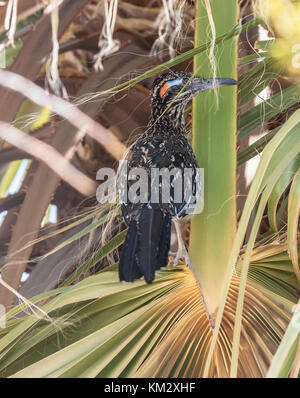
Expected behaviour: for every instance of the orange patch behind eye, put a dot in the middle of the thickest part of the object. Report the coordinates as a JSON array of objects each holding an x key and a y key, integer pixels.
[{"x": 163, "y": 90}]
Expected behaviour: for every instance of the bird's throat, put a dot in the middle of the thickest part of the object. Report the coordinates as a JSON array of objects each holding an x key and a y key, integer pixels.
[{"x": 168, "y": 118}]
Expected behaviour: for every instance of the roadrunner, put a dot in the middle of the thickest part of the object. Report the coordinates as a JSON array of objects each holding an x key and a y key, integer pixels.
[{"x": 163, "y": 147}]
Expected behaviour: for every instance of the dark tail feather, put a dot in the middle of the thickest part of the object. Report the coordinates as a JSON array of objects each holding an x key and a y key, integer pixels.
[
  {"x": 146, "y": 245},
  {"x": 164, "y": 245},
  {"x": 150, "y": 227},
  {"x": 128, "y": 267}
]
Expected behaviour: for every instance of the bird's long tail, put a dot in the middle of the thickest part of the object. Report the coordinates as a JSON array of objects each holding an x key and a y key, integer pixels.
[{"x": 146, "y": 245}]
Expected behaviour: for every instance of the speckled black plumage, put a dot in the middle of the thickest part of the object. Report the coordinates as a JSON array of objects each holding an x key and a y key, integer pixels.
[{"x": 163, "y": 145}]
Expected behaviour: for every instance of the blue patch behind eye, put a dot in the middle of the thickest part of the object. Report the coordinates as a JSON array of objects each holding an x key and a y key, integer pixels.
[{"x": 176, "y": 82}]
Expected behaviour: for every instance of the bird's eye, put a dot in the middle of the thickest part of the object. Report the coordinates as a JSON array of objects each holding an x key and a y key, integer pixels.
[{"x": 187, "y": 82}]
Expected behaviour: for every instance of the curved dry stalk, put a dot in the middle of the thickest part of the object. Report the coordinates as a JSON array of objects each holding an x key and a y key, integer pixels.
[
  {"x": 65, "y": 109},
  {"x": 25, "y": 8},
  {"x": 51, "y": 157},
  {"x": 52, "y": 72},
  {"x": 107, "y": 44},
  {"x": 169, "y": 23}
]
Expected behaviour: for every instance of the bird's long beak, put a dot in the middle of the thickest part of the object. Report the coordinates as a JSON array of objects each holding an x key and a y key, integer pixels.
[{"x": 199, "y": 84}]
